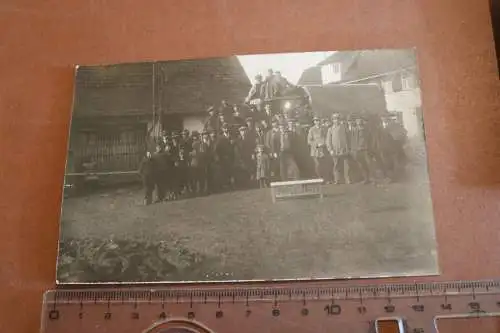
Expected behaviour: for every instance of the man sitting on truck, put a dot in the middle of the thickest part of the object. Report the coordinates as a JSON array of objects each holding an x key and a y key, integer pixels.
[
  {"x": 281, "y": 84},
  {"x": 255, "y": 94}
]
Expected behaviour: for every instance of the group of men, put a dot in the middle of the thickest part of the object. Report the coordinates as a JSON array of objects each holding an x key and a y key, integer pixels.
[
  {"x": 266, "y": 89},
  {"x": 242, "y": 151}
]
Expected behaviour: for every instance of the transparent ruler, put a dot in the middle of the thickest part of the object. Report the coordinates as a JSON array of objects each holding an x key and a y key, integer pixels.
[{"x": 387, "y": 308}]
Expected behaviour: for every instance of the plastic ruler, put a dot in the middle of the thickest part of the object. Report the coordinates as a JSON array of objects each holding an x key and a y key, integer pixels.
[{"x": 300, "y": 307}]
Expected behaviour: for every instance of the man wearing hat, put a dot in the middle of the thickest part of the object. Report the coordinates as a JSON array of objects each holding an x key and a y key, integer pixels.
[
  {"x": 222, "y": 119},
  {"x": 288, "y": 166},
  {"x": 226, "y": 109},
  {"x": 211, "y": 124},
  {"x": 237, "y": 120},
  {"x": 393, "y": 146},
  {"x": 272, "y": 143},
  {"x": 359, "y": 148},
  {"x": 225, "y": 155},
  {"x": 251, "y": 130},
  {"x": 316, "y": 142},
  {"x": 148, "y": 181},
  {"x": 160, "y": 170},
  {"x": 337, "y": 142},
  {"x": 299, "y": 147},
  {"x": 196, "y": 164},
  {"x": 186, "y": 141},
  {"x": 211, "y": 166},
  {"x": 245, "y": 147},
  {"x": 176, "y": 143}
]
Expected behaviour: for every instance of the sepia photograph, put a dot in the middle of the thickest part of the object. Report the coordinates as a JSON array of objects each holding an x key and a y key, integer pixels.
[{"x": 287, "y": 166}]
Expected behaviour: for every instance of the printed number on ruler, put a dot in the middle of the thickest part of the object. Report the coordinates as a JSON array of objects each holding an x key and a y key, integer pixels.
[{"x": 410, "y": 307}]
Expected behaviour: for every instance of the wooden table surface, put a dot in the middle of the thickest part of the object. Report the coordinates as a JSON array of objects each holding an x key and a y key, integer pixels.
[{"x": 41, "y": 41}]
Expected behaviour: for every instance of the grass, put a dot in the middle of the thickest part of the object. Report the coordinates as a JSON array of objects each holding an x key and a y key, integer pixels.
[{"x": 356, "y": 231}]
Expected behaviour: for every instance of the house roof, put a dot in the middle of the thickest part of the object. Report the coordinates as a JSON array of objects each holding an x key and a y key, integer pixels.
[
  {"x": 347, "y": 99},
  {"x": 186, "y": 86},
  {"x": 358, "y": 65}
]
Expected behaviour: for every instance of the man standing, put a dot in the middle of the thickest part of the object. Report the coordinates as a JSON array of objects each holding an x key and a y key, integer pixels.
[
  {"x": 269, "y": 87},
  {"x": 316, "y": 142},
  {"x": 299, "y": 147},
  {"x": 337, "y": 143},
  {"x": 196, "y": 165},
  {"x": 186, "y": 141},
  {"x": 272, "y": 143},
  {"x": 245, "y": 147},
  {"x": 225, "y": 155},
  {"x": 212, "y": 162},
  {"x": 237, "y": 120},
  {"x": 147, "y": 175},
  {"x": 226, "y": 109},
  {"x": 211, "y": 124},
  {"x": 288, "y": 166},
  {"x": 251, "y": 130},
  {"x": 204, "y": 161},
  {"x": 359, "y": 148},
  {"x": 159, "y": 164},
  {"x": 220, "y": 123}
]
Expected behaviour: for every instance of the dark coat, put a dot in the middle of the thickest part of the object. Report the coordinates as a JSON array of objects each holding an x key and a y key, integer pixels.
[
  {"x": 160, "y": 164},
  {"x": 262, "y": 166},
  {"x": 245, "y": 148},
  {"x": 224, "y": 149},
  {"x": 272, "y": 141},
  {"x": 211, "y": 124},
  {"x": 358, "y": 139},
  {"x": 146, "y": 169}
]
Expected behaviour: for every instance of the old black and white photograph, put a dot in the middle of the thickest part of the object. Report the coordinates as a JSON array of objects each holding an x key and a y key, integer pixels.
[{"x": 263, "y": 167}]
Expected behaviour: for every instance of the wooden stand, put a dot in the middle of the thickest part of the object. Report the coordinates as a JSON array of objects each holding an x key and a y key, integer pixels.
[{"x": 296, "y": 189}]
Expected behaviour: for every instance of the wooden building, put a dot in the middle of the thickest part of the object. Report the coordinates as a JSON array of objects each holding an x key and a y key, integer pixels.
[{"x": 119, "y": 109}]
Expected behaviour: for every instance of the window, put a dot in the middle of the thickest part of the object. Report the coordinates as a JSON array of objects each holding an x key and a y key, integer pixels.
[
  {"x": 407, "y": 81},
  {"x": 387, "y": 86},
  {"x": 330, "y": 73}
]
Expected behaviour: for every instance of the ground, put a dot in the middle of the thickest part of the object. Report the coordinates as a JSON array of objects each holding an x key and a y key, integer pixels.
[{"x": 356, "y": 231}]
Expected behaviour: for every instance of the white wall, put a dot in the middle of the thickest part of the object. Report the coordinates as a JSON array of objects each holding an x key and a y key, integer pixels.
[
  {"x": 193, "y": 123},
  {"x": 407, "y": 102},
  {"x": 331, "y": 73}
]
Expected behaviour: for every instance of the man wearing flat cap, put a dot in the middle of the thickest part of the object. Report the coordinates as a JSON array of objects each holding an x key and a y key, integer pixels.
[
  {"x": 272, "y": 143},
  {"x": 316, "y": 142},
  {"x": 359, "y": 148},
  {"x": 337, "y": 142}
]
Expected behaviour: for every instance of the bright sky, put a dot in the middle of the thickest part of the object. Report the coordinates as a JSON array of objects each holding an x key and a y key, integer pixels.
[{"x": 291, "y": 65}]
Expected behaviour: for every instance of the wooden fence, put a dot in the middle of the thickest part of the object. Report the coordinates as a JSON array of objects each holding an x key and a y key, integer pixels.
[{"x": 107, "y": 150}]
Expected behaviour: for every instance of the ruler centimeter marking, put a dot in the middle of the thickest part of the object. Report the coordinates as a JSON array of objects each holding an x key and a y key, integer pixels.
[{"x": 413, "y": 307}]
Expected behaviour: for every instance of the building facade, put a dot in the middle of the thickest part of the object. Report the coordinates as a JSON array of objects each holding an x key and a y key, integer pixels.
[
  {"x": 395, "y": 72},
  {"x": 119, "y": 110}
]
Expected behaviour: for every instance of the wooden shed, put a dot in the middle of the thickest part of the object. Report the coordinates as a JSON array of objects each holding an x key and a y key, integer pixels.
[{"x": 118, "y": 109}]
